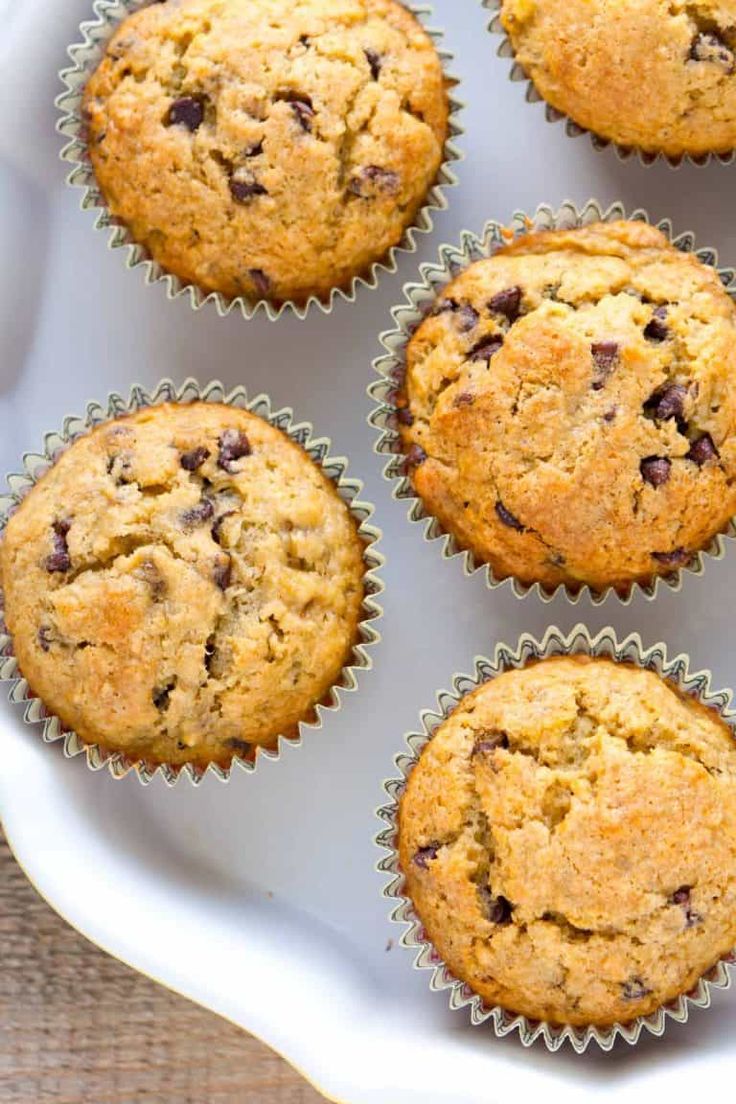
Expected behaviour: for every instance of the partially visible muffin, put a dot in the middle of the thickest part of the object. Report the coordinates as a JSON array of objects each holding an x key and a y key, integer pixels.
[
  {"x": 568, "y": 840},
  {"x": 658, "y": 77},
  {"x": 183, "y": 585},
  {"x": 264, "y": 148},
  {"x": 569, "y": 407}
]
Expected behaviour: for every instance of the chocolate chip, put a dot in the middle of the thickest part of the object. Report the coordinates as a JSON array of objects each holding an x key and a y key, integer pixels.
[
  {"x": 255, "y": 150},
  {"x": 489, "y": 741},
  {"x": 702, "y": 450},
  {"x": 605, "y": 358},
  {"x": 222, "y": 572},
  {"x": 304, "y": 39},
  {"x": 303, "y": 112},
  {"x": 209, "y": 653},
  {"x": 372, "y": 180},
  {"x": 414, "y": 457},
  {"x": 634, "y": 989},
  {"x": 668, "y": 402},
  {"x": 188, "y": 112},
  {"x": 465, "y": 398},
  {"x": 486, "y": 348},
  {"x": 217, "y": 527},
  {"x": 59, "y": 559},
  {"x": 44, "y": 637},
  {"x": 709, "y": 46},
  {"x": 260, "y": 280},
  {"x": 610, "y": 415},
  {"x": 374, "y": 60},
  {"x": 197, "y": 515},
  {"x": 425, "y": 855},
  {"x": 676, "y": 558},
  {"x": 405, "y": 417},
  {"x": 234, "y": 445},
  {"x": 507, "y": 302},
  {"x": 496, "y": 909},
  {"x": 681, "y": 896},
  {"x": 162, "y": 695},
  {"x": 467, "y": 318},
  {"x": 240, "y": 745},
  {"x": 655, "y": 470},
  {"x": 243, "y": 190},
  {"x": 194, "y": 459},
  {"x": 656, "y": 329},
  {"x": 508, "y": 518}
]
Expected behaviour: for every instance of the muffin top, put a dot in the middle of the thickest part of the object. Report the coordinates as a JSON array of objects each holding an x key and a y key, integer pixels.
[
  {"x": 657, "y": 76},
  {"x": 182, "y": 584},
  {"x": 265, "y": 148},
  {"x": 571, "y": 405},
  {"x": 568, "y": 839}
]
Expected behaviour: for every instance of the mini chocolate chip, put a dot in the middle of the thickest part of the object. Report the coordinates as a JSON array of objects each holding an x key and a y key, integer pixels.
[
  {"x": 162, "y": 695},
  {"x": 234, "y": 445},
  {"x": 405, "y": 417},
  {"x": 489, "y": 741},
  {"x": 209, "y": 653},
  {"x": 194, "y": 459},
  {"x": 240, "y": 745},
  {"x": 702, "y": 450},
  {"x": 187, "y": 112},
  {"x": 425, "y": 855},
  {"x": 676, "y": 558},
  {"x": 261, "y": 280},
  {"x": 59, "y": 560},
  {"x": 668, "y": 402},
  {"x": 709, "y": 46},
  {"x": 222, "y": 572},
  {"x": 655, "y": 470},
  {"x": 486, "y": 348},
  {"x": 610, "y": 415},
  {"x": 373, "y": 180},
  {"x": 465, "y": 398},
  {"x": 44, "y": 637},
  {"x": 374, "y": 60},
  {"x": 507, "y": 302},
  {"x": 304, "y": 39},
  {"x": 303, "y": 112},
  {"x": 656, "y": 329},
  {"x": 197, "y": 515},
  {"x": 496, "y": 909},
  {"x": 605, "y": 358},
  {"x": 243, "y": 191},
  {"x": 255, "y": 150},
  {"x": 681, "y": 896},
  {"x": 414, "y": 457},
  {"x": 217, "y": 527},
  {"x": 634, "y": 989},
  {"x": 508, "y": 518}
]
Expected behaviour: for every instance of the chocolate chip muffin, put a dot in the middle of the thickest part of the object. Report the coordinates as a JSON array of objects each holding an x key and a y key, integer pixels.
[
  {"x": 183, "y": 585},
  {"x": 568, "y": 839},
  {"x": 659, "y": 77},
  {"x": 569, "y": 407},
  {"x": 267, "y": 149}
]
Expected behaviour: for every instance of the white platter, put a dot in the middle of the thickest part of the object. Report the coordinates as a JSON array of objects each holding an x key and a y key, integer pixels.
[{"x": 259, "y": 899}]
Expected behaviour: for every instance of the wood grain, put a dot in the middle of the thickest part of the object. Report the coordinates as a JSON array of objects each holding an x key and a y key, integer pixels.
[{"x": 77, "y": 1027}]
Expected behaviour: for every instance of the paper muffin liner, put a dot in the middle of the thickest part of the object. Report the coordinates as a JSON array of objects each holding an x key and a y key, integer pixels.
[
  {"x": 573, "y": 129},
  {"x": 318, "y": 449},
  {"x": 86, "y": 56},
  {"x": 419, "y": 297},
  {"x": 630, "y": 650}
]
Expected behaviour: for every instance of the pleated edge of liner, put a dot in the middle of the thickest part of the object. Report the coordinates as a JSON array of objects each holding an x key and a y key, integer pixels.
[
  {"x": 554, "y": 642},
  {"x": 318, "y": 449},
  {"x": 418, "y": 297},
  {"x": 86, "y": 54}
]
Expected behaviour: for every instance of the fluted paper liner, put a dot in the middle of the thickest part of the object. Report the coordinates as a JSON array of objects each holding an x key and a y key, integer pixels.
[
  {"x": 86, "y": 56},
  {"x": 419, "y": 297},
  {"x": 579, "y": 642},
  {"x": 573, "y": 129},
  {"x": 317, "y": 448}
]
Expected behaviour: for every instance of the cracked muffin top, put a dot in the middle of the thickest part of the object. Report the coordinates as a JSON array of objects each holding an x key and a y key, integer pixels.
[
  {"x": 569, "y": 407},
  {"x": 659, "y": 75},
  {"x": 183, "y": 584},
  {"x": 267, "y": 148},
  {"x": 568, "y": 839}
]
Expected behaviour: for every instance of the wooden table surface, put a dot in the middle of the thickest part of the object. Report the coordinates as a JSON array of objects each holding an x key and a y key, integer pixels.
[{"x": 77, "y": 1027}]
